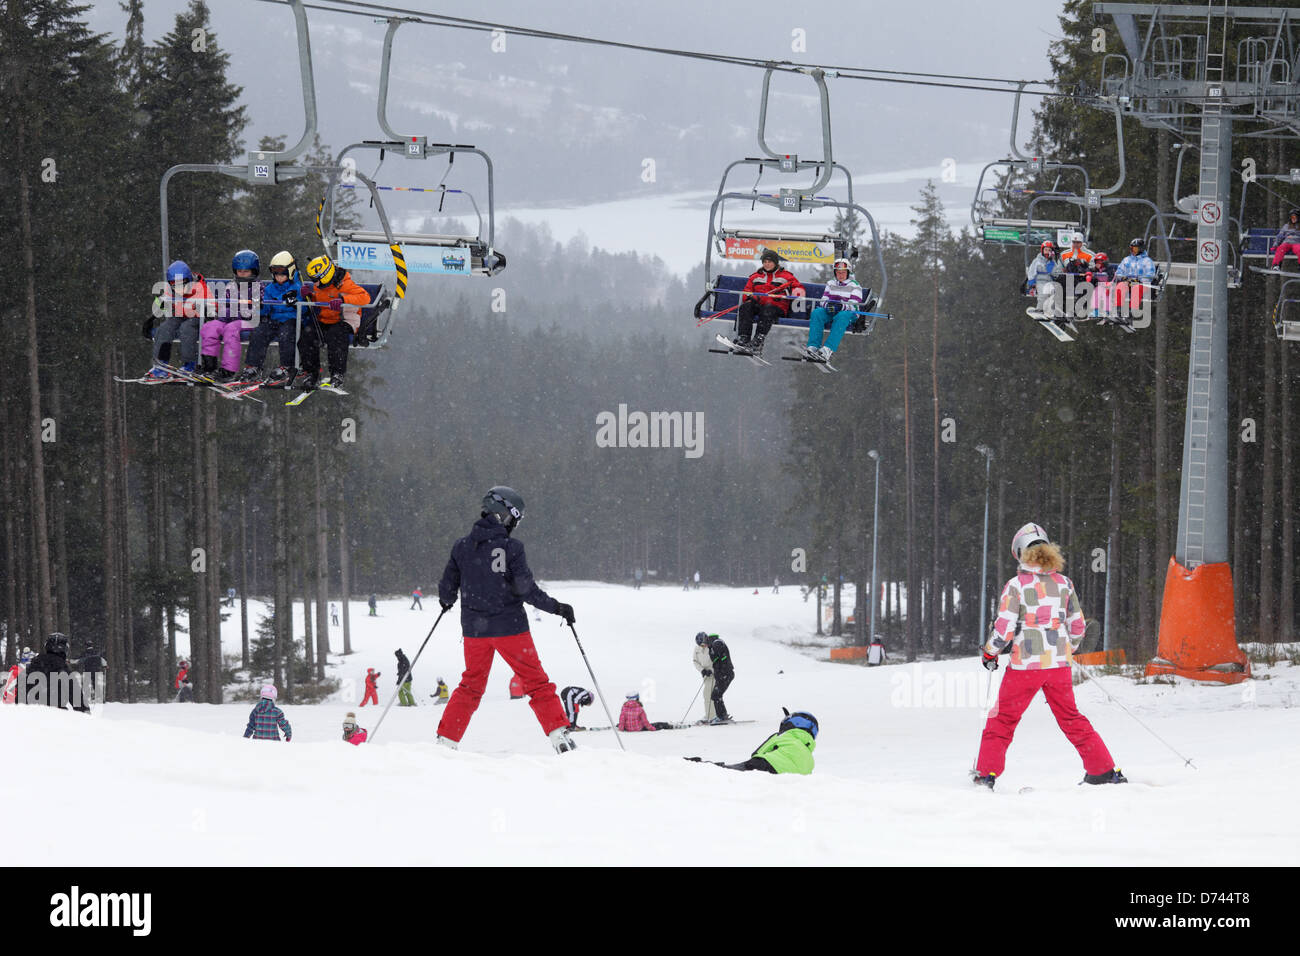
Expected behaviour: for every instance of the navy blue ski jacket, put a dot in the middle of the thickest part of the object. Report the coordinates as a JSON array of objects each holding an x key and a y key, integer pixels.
[{"x": 489, "y": 571}]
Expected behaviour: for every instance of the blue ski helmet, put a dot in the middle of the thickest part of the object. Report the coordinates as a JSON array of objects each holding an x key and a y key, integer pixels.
[
  {"x": 799, "y": 720},
  {"x": 178, "y": 271},
  {"x": 246, "y": 259}
]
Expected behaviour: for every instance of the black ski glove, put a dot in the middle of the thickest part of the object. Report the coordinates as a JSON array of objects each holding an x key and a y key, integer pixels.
[
  {"x": 445, "y": 607},
  {"x": 565, "y": 611},
  {"x": 990, "y": 661},
  {"x": 291, "y": 297},
  {"x": 706, "y": 673}
]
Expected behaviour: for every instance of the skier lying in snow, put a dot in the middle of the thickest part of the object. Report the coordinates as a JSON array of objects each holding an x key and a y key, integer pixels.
[{"x": 789, "y": 750}]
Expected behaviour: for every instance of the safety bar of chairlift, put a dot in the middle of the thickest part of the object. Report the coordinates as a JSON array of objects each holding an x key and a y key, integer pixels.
[
  {"x": 431, "y": 149},
  {"x": 875, "y": 236},
  {"x": 755, "y": 161},
  {"x": 977, "y": 220},
  {"x": 819, "y": 77}
]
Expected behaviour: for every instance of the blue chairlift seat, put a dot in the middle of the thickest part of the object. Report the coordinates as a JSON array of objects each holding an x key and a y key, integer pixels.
[{"x": 728, "y": 296}]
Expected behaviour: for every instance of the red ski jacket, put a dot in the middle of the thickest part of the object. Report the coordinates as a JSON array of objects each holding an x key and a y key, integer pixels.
[{"x": 784, "y": 283}]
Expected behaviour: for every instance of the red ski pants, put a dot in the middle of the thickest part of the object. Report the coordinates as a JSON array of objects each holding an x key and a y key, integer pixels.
[
  {"x": 518, "y": 651},
  {"x": 1018, "y": 689},
  {"x": 371, "y": 697}
]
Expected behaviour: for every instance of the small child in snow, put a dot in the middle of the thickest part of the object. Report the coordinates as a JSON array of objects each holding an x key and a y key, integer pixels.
[
  {"x": 633, "y": 717},
  {"x": 266, "y": 719},
  {"x": 442, "y": 692},
  {"x": 372, "y": 688},
  {"x": 351, "y": 732},
  {"x": 789, "y": 750}
]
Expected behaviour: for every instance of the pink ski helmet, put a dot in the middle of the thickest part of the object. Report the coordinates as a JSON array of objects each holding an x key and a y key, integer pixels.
[{"x": 1030, "y": 534}]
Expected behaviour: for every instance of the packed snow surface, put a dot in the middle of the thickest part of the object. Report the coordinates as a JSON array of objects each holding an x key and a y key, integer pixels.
[{"x": 178, "y": 784}]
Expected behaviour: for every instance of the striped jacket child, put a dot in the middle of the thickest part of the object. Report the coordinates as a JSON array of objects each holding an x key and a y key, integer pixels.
[{"x": 267, "y": 720}]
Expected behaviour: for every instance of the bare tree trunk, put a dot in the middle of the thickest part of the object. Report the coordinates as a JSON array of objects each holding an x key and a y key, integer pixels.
[
  {"x": 345, "y": 570},
  {"x": 9, "y": 507},
  {"x": 212, "y": 518},
  {"x": 913, "y": 604},
  {"x": 157, "y": 562},
  {"x": 44, "y": 588},
  {"x": 322, "y": 565},
  {"x": 280, "y": 566},
  {"x": 1110, "y": 634},
  {"x": 1286, "y": 604},
  {"x": 114, "y": 649},
  {"x": 243, "y": 581},
  {"x": 58, "y": 505},
  {"x": 198, "y": 616},
  {"x": 1145, "y": 645},
  {"x": 935, "y": 587},
  {"x": 126, "y": 593}
]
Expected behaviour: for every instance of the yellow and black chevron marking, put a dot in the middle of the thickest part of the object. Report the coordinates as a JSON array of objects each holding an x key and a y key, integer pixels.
[
  {"x": 399, "y": 264},
  {"x": 319, "y": 210}
]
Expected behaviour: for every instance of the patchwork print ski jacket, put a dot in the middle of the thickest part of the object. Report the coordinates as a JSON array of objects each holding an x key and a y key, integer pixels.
[{"x": 1040, "y": 617}]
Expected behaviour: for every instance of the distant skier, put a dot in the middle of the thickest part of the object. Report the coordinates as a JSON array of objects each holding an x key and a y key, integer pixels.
[
  {"x": 574, "y": 699},
  {"x": 334, "y": 614},
  {"x": 372, "y": 687},
  {"x": 489, "y": 572},
  {"x": 633, "y": 716},
  {"x": 351, "y": 732},
  {"x": 876, "y": 653},
  {"x": 183, "y": 670},
  {"x": 776, "y": 585},
  {"x": 442, "y": 694},
  {"x": 26, "y": 657},
  {"x": 1287, "y": 239},
  {"x": 373, "y": 602},
  {"x": 415, "y": 600},
  {"x": 636, "y": 577},
  {"x": 10, "y": 691},
  {"x": 404, "y": 696},
  {"x": 1039, "y": 618},
  {"x": 723, "y": 672},
  {"x": 697, "y": 580},
  {"x": 266, "y": 719},
  {"x": 789, "y": 750},
  {"x": 704, "y": 664}
]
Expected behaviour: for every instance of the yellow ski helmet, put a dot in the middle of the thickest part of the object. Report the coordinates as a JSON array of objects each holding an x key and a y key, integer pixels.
[{"x": 322, "y": 270}]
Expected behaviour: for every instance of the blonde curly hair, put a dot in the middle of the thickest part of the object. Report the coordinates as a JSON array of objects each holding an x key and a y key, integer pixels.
[{"x": 1044, "y": 555}]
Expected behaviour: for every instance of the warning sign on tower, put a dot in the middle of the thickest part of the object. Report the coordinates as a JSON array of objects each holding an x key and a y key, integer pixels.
[
  {"x": 1210, "y": 251},
  {"x": 1211, "y": 213}
]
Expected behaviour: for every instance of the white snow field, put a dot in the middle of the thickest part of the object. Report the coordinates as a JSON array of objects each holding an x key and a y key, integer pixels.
[{"x": 183, "y": 787}]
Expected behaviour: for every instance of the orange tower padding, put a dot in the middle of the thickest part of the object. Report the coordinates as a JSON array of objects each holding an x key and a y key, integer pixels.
[{"x": 1198, "y": 633}]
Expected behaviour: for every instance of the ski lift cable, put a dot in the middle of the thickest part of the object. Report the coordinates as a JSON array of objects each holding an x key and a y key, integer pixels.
[{"x": 902, "y": 77}]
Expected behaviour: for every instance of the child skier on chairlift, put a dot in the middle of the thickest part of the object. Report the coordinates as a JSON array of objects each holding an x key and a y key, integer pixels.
[
  {"x": 278, "y": 323},
  {"x": 222, "y": 333},
  {"x": 337, "y": 311},
  {"x": 1099, "y": 275},
  {"x": 1040, "y": 278},
  {"x": 838, "y": 302},
  {"x": 183, "y": 304}
]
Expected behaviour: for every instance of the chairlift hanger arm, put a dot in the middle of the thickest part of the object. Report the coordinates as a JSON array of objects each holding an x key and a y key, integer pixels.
[
  {"x": 819, "y": 77},
  {"x": 308, "y": 86}
]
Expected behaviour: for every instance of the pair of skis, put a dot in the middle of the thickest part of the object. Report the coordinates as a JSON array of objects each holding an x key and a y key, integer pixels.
[
  {"x": 803, "y": 354},
  {"x": 1064, "y": 328},
  {"x": 232, "y": 390},
  {"x": 685, "y": 726}
]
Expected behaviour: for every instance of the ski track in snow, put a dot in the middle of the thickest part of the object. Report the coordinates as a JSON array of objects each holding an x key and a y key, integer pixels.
[{"x": 181, "y": 785}]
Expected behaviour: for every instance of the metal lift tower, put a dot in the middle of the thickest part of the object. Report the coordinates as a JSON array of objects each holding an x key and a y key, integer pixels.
[{"x": 1179, "y": 72}]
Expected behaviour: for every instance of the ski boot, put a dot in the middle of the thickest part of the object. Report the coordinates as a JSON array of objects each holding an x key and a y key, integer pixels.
[
  {"x": 208, "y": 365},
  {"x": 249, "y": 375},
  {"x": 335, "y": 380},
  {"x": 223, "y": 377},
  {"x": 756, "y": 346},
  {"x": 449, "y": 743},
  {"x": 305, "y": 380},
  {"x": 280, "y": 378},
  {"x": 742, "y": 341},
  {"x": 561, "y": 740},
  {"x": 824, "y": 353},
  {"x": 157, "y": 374},
  {"x": 189, "y": 368},
  {"x": 984, "y": 779},
  {"x": 1110, "y": 776}
]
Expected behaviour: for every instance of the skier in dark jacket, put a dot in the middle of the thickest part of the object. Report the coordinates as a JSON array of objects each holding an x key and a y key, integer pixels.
[
  {"x": 92, "y": 665},
  {"x": 489, "y": 572},
  {"x": 404, "y": 696},
  {"x": 49, "y": 679},
  {"x": 574, "y": 699},
  {"x": 723, "y": 673}
]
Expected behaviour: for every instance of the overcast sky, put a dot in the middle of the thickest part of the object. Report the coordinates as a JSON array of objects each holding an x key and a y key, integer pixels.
[{"x": 572, "y": 124}]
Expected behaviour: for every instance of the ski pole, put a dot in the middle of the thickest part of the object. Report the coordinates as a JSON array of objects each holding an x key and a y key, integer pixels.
[
  {"x": 984, "y": 710},
  {"x": 595, "y": 683},
  {"x": 692, "y": 703},
  {"x": 409, "y": 671},
  {"x": 1187, "y": 761}
]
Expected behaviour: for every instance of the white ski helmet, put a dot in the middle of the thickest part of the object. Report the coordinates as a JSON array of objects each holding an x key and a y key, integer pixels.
[
  {"x": 1030, "y": 534},
  {"x": 841, "y": 262}
]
